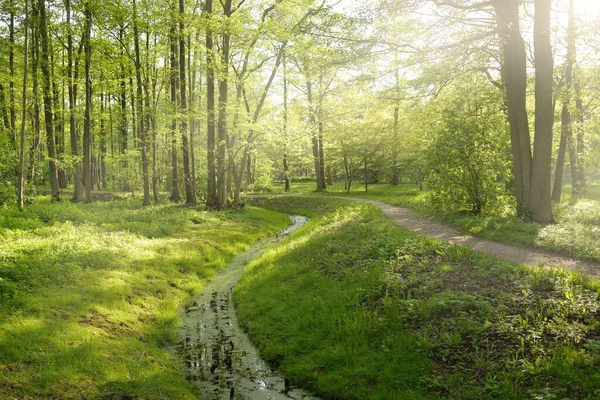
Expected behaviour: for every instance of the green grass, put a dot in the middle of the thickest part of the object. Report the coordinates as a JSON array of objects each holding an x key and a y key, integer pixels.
[
  {"x": 353, "y": 307},
  {"x": 90, "y": 293},
  {"x": 577, "y": 232}
]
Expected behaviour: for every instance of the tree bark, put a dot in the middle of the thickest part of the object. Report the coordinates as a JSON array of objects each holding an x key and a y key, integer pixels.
[
  {"x": 396, "y": 131},
  {"x": 581, "y": 186},
  {"x": 223, "y": 100},
  {"x": 21, "y": 178},
  {"x": 142, "y": 135},
  {"x": 285, "y": 128},
  {"x": 11, "y": 67},
  {"x": 566, "y": 137},
  {"x": 47, "y": 93},
  {"x": 88, "y": 182},
  {"x": 514, "y": 73},
  {"x": 315, "y": 135},
  {"x": 190, "y": 194},
  {"x": 174, "y": 84},
  {"x": 540, "y": 196},
  {"x": 211, "y": 200},
  {"x": 36, "y": 124}
]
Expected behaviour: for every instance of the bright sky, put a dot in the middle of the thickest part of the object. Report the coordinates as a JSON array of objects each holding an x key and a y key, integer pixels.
[{"x": 588, "y": 8}]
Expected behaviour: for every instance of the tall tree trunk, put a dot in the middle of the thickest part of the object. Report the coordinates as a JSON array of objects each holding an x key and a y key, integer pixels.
[
  {"x": 223, "y": 99},
  {"x": 514, "y": 72},
  {"x": 286, "y": 168},
  {"x": 35, "y": 54},
  {"x": 395, "y": 175},
  {"x": 149, "y": 118},
  {"x": 174, "y": 84},
  {"x": 581, "y": 186},
  {"x": 210, "y": 108},
  {"x": 21, "y": 188},
  {"x": 540, "y": 196},
  {"x": 47, "y": 91},
  {"x": 320, "y": 125},
  {"x": 142, "y": 134},
  {"x": 4, "y": 111},
  {"x": 11, "y": 67},
  {"x": 190, "y": 193},
  {"x": 88, "y": 182},
  {"x": 102, "y": 156},
  {"x": 315, "y": 135},
  {"x": 193, "y": 120},
  {"x": 72, "y": 89},
  {"x": 566, "y": 137},
  {"x": 560, "y": 159},
  {"x": 59, "y": 132}
]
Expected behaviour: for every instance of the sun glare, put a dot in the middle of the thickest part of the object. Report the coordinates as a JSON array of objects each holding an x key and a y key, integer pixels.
[{"x": 589, "y": 9}]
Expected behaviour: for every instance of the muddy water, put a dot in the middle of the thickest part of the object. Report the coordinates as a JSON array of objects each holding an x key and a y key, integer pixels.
[{"x": 219, "y": 358}]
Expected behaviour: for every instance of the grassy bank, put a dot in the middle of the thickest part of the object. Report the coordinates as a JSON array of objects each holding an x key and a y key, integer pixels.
[
  {"x": 353, "y": 307},
  {"x": 89, "y": 293},
  {"x": 576, "y": 232}
]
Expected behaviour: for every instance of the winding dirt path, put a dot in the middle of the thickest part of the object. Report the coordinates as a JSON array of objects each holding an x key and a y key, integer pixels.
[
  {"x": 219, "y": 358},
  {"x": 522, "y": 254},
  {"x": 410, "y": 220}
]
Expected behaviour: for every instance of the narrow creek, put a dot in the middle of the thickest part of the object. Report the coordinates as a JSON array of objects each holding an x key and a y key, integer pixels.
[{"x": 219, "y": 358}]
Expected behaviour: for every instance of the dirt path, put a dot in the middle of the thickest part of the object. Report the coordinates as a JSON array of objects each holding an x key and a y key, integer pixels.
[
  {"x": 522, "y": 254},
  {"x": 219, "y": 358}
]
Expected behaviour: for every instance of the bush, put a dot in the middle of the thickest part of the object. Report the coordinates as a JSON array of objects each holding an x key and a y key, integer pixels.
[{"x": 468, "y": 161}]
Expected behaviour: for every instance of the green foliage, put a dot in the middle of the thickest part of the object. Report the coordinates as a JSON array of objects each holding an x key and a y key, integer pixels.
[
  {"x": 354, "y": 307},
  {"x": 126, "y": 169},
  {"x": 8, "y": 177},
  {"x": 468, "y": 161},
  {"x": 90, "y": 293}
]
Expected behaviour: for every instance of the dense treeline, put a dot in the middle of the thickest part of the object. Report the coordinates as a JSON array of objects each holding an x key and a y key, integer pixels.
[{"x": 203, "y": 100}]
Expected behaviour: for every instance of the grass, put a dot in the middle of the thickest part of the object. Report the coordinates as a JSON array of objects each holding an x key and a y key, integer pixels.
[
  {"x": 90, "y": 293},
  {"x": 577, "y": 232},
  {"x": 353, "y": 307}
]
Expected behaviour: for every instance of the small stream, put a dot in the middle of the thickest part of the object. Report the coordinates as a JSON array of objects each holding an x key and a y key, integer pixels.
[{"x": 219, "y": 358}]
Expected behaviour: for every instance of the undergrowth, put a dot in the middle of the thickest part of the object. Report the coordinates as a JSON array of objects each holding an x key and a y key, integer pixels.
[
  {"x": 576, "y": 233},
  {"x": 353, "y": 307},
  {"x": 90, "y": 293}
]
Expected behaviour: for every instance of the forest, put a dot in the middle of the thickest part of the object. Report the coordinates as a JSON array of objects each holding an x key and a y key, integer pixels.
[{"x": 306, "y": 199}]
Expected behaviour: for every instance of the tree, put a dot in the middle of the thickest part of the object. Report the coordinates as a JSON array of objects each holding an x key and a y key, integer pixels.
[
  {"x": 87, "y": 126},
  {"x": 541, "y": 206},
  {"x": 47, "y": 94},
  {"x": 190, "y": 194},
  {"x": 22, "y": 143}
]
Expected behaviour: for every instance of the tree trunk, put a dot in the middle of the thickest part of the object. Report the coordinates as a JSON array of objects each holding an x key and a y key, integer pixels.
[
  {"x": 566, "y": 137},
  {"x": 102, "y": 157},
  {"x": 514, "y": 73},
  {"x": 365, "y": 172},
  {"x": 211, "y": 200},
  {"x": 540, "y": 197},
  {"x": 174, "y": 84},
  {"x": 21, "y": 178},
  {"x": 11, "y": 67},
  {"x": 395, "y": 177},
  {"x": 47, "y": 92},
  {"x": 36, "y": 124},
  {"x": 286, "y": 176},
  {"x": 190, "y": 194},
  {"x": 72, "y": 88},
  {"x": 581, "y": 186},
  {"x": 88, "y": 182},
  {"x": 223, "y": 99},
  {"x": 143, "y": 141},
  {"x": 315, "y": 135}
]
